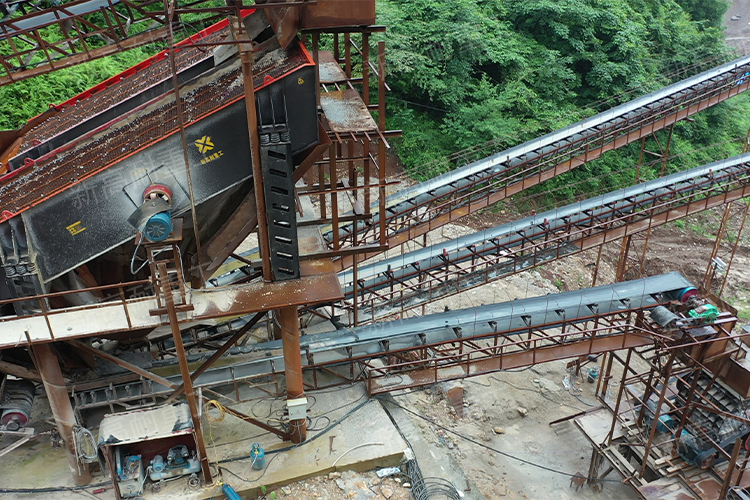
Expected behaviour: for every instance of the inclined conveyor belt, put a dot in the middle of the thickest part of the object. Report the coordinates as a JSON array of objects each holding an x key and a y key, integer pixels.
[
  {"x": 544, "y": 312},
  {"x": 724, "y": 175},
  {"x": 473, "y": 185}
]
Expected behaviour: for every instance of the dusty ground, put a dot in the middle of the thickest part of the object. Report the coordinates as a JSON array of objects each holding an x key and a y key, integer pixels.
[
  {"x": 348, "y": 485},
  {"x": 737, "y": 22}
]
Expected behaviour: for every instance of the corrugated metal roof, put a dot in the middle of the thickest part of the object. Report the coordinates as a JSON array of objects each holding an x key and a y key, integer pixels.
[{"x": 141, "y": 425}]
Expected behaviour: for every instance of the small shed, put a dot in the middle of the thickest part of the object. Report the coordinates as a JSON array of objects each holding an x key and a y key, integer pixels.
[{"x": 129, "y": 441}]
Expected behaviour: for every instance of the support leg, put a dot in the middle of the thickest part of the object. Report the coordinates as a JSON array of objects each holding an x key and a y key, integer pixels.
[
  {"x": 62, "y": 410},
  {"x": 293, "y": 366}
]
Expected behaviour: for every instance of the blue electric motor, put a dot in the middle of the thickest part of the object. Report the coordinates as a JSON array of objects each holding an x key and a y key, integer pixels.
[
  {"x": 179, "y": 462},
  {"x": 154, "y": 217},
  {"x": 158, "y": 227}
]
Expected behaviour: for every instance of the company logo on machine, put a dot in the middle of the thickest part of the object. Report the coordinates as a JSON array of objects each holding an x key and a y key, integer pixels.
[{"x": 205, "y": 145}]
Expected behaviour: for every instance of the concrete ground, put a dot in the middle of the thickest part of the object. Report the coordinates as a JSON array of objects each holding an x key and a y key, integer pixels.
[
  {"x": 512, "y": 451},
  {"x": 347, "y": 432}
]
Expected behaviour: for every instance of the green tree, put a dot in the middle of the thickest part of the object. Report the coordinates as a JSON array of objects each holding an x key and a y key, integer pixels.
[
  {"x": 489, "y": 74},
  {"x": 710, "y": 11}
]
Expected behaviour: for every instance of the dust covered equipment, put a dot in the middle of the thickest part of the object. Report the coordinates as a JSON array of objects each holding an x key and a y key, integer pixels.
[
  {"x": 111, "y": 175},
  {"x": 162, "y": 437}
]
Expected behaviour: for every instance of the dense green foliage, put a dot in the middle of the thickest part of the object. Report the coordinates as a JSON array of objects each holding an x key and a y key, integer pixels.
[
  {"x": 506, "y": 71},
  {"x": 489, "y": 74},
  {"x": 28, "y": 98},
  {"x": 709, "y": 11}
]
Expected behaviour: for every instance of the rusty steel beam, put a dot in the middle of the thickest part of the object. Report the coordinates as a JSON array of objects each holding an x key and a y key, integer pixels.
[
  {"x": 71, "y": 34},
  {"x": 13, "y": 74},
  {"x": 163, "y": 282},
  {"x": 442, "y": 369},
  {"x": 721, "y": 259},
  {"x": 682, "y": 407},
  {"x": 261, "y": 218},
  {"x": 318, "y": 284},
  {"x": 730, "y": 469},
  {"x": 217, "y": 354},
  {"x": 20, "y": 371},
  {"x": 59, "y": 402},
  {"x": 121, "y": 363},
  {"x": 662, "y": 396}
]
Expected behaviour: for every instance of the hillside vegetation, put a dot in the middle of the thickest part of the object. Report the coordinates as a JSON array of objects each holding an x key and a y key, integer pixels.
[{"x": 470, "y": 72}]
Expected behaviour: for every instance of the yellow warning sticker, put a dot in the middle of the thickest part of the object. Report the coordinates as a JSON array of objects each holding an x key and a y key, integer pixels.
[
  {"x": 75, "y": 228},
  {"x": 204, "y": 144}
]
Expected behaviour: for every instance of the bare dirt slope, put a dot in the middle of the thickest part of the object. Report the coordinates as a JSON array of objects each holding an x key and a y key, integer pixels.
[{"x": 737, "y": 23}]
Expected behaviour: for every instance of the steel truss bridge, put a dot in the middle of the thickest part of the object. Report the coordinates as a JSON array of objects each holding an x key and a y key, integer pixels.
[
  {"x": 429, "y": 205},
  {"x": 456, "y": 344},
  {"x": 396, "y": 284}
]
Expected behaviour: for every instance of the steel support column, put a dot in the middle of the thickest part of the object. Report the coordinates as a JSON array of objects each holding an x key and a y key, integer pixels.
[
  {"x": 289, "y": 323},
  {"x": 246, "y": 53},
  {"x": 722, "y": 255},
  {"x": 185, "y": 371},
  {"x": 730, "y": 469},
  {"x": 62, "y": 410}
]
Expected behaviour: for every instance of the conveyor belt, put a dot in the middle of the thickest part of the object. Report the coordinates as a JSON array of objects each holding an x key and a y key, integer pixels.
[
  {"x": 429, "y": 205},
  {"x": 433, "y": 272},
  {"x": 373, "y": 341}
]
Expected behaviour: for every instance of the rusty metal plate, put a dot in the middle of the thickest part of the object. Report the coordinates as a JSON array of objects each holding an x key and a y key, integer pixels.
[
  {"x": 337, "y": 13},
  {"x": 708, "y": 486},
  {"x": 665, "y": 489},
  {"x": 346, "y": 111},
  {"x": 319, "y": 283},
  {"x": 456, "y": 398},
  {"x": 330, "y": 70}
]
